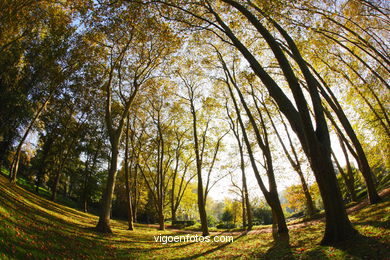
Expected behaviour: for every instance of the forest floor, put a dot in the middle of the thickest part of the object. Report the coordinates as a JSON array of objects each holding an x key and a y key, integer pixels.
[{"x": 32, "y": 227}]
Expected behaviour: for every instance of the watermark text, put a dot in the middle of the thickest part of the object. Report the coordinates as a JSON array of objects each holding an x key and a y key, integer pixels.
[{"x": 192, "y": 239}]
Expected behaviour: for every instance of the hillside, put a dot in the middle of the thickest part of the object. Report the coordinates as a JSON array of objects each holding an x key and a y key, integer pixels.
[{"x": 34, "y": 228}]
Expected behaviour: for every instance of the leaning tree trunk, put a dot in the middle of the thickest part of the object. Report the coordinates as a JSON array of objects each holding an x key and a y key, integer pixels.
[
  {"x": 348, "y": 183},
  {"x": 360, "y": 155},
  {"x": 270, "y": 196},
  {"x": 274, "y": 202},
  {"x": 294, "y": 161},
  {"x": 15, "y": 162},
  {"x": 248, "y": 206},
  {"x": 104, "y": 217},
  {"x": 338, "y": 226},
  {"x": 361, "y": 158}
]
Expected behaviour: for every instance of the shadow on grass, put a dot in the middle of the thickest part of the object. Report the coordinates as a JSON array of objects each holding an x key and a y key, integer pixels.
[
  {"x": 377, "y": 224},
  {"x": 316, "y": 253},
  {"x": 280, "y": 248},
  {"x": 363, "y": 247}
]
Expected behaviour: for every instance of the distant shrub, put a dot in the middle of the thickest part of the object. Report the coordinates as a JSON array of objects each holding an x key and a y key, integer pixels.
[
  {"x": 227, "y": 215},
  {"x": 182, "y": 223},
  {"x": 226, "y": 226}
]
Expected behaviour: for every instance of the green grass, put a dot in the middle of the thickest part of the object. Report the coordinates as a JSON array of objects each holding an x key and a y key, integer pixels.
[
  {"x": 44, "y": 192},
  {"x": 32, "y": 227}
]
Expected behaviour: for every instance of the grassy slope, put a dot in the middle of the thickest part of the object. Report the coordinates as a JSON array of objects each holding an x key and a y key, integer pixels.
[{"x": 33, "y": 227}]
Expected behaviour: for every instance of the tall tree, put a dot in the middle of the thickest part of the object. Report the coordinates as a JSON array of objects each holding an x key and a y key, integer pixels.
[
  {"x": 262, "y": 140},
  {"x": 136, "y": 45},
  {"x": 246, "y": 208}
]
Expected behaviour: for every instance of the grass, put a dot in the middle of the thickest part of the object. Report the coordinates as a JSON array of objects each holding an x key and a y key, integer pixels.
[{"x": 32, "y": 227}]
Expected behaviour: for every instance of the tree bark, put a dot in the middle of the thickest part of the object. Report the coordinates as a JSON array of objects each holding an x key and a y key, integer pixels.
[
  {"x": 55, "y": 185},
  {"x": 244, "y": 222},
  {"x": 127, "y": 184},
  {"x": 338, "y": 226},
  {"x": 359, "y": 154},
  {"x": 104, "y": 217},
  {"x": 201, "y": 201},
  {"x": 115, "y": 137},
  {"x": 271, "y": 198}
]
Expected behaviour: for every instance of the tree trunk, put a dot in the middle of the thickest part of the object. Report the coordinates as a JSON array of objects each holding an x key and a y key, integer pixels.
[
  {"x": 127, "y": 184},
  {"x": 85, "y": 186},
  {"x": 350, "y": 178},
  {"x": 295, "y": 163},
  {"x": 244, "y": 218},
  {"x": 202, "y": 206},
  {"x": 246, "y": 206},
  {"x": 173, "y": 215},
  {"x": 161, "y": 221},
  {"x": 129, "y": 208},
  {"x": 274, "y": 202},
  {"x": 15, "y": 162},
  {"x": 201, "y": 201},
  {"x": 135, "y": 198},
  {"x": 361, "y": 158},
  {"x": 41, "y": 169},
  {"x": 104, "y": 217},
  {"x": 55, "y": 185},
  {"x": 360, "y": 155},
  {"x": 59, "y": 170},
  {"x": 338, "y": 226},
  {"x": 272, "y": 195}
]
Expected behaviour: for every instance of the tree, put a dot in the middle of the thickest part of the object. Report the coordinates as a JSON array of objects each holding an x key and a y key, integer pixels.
[
  {"x": 262, "y": 140},
  {"x": 293, "y": 159},
  {"x": 157, "y": 163},
  {"x": 183, "y": 160},
  {"x": 315, "y": 138},
  {"x": 346, "y": 36},
  {"x": 34, "y": 68},
  {"x": 141, "y": 36},
  {"x": 246, "y": 206},
  {"x": 201, "y": 145}
]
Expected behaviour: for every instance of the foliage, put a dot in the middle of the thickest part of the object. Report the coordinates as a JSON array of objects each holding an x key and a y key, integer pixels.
[
  {"x": 227, "y": 216},
  {"x": 262, "y": 216},
  {"x": 211, "y": 221}
]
